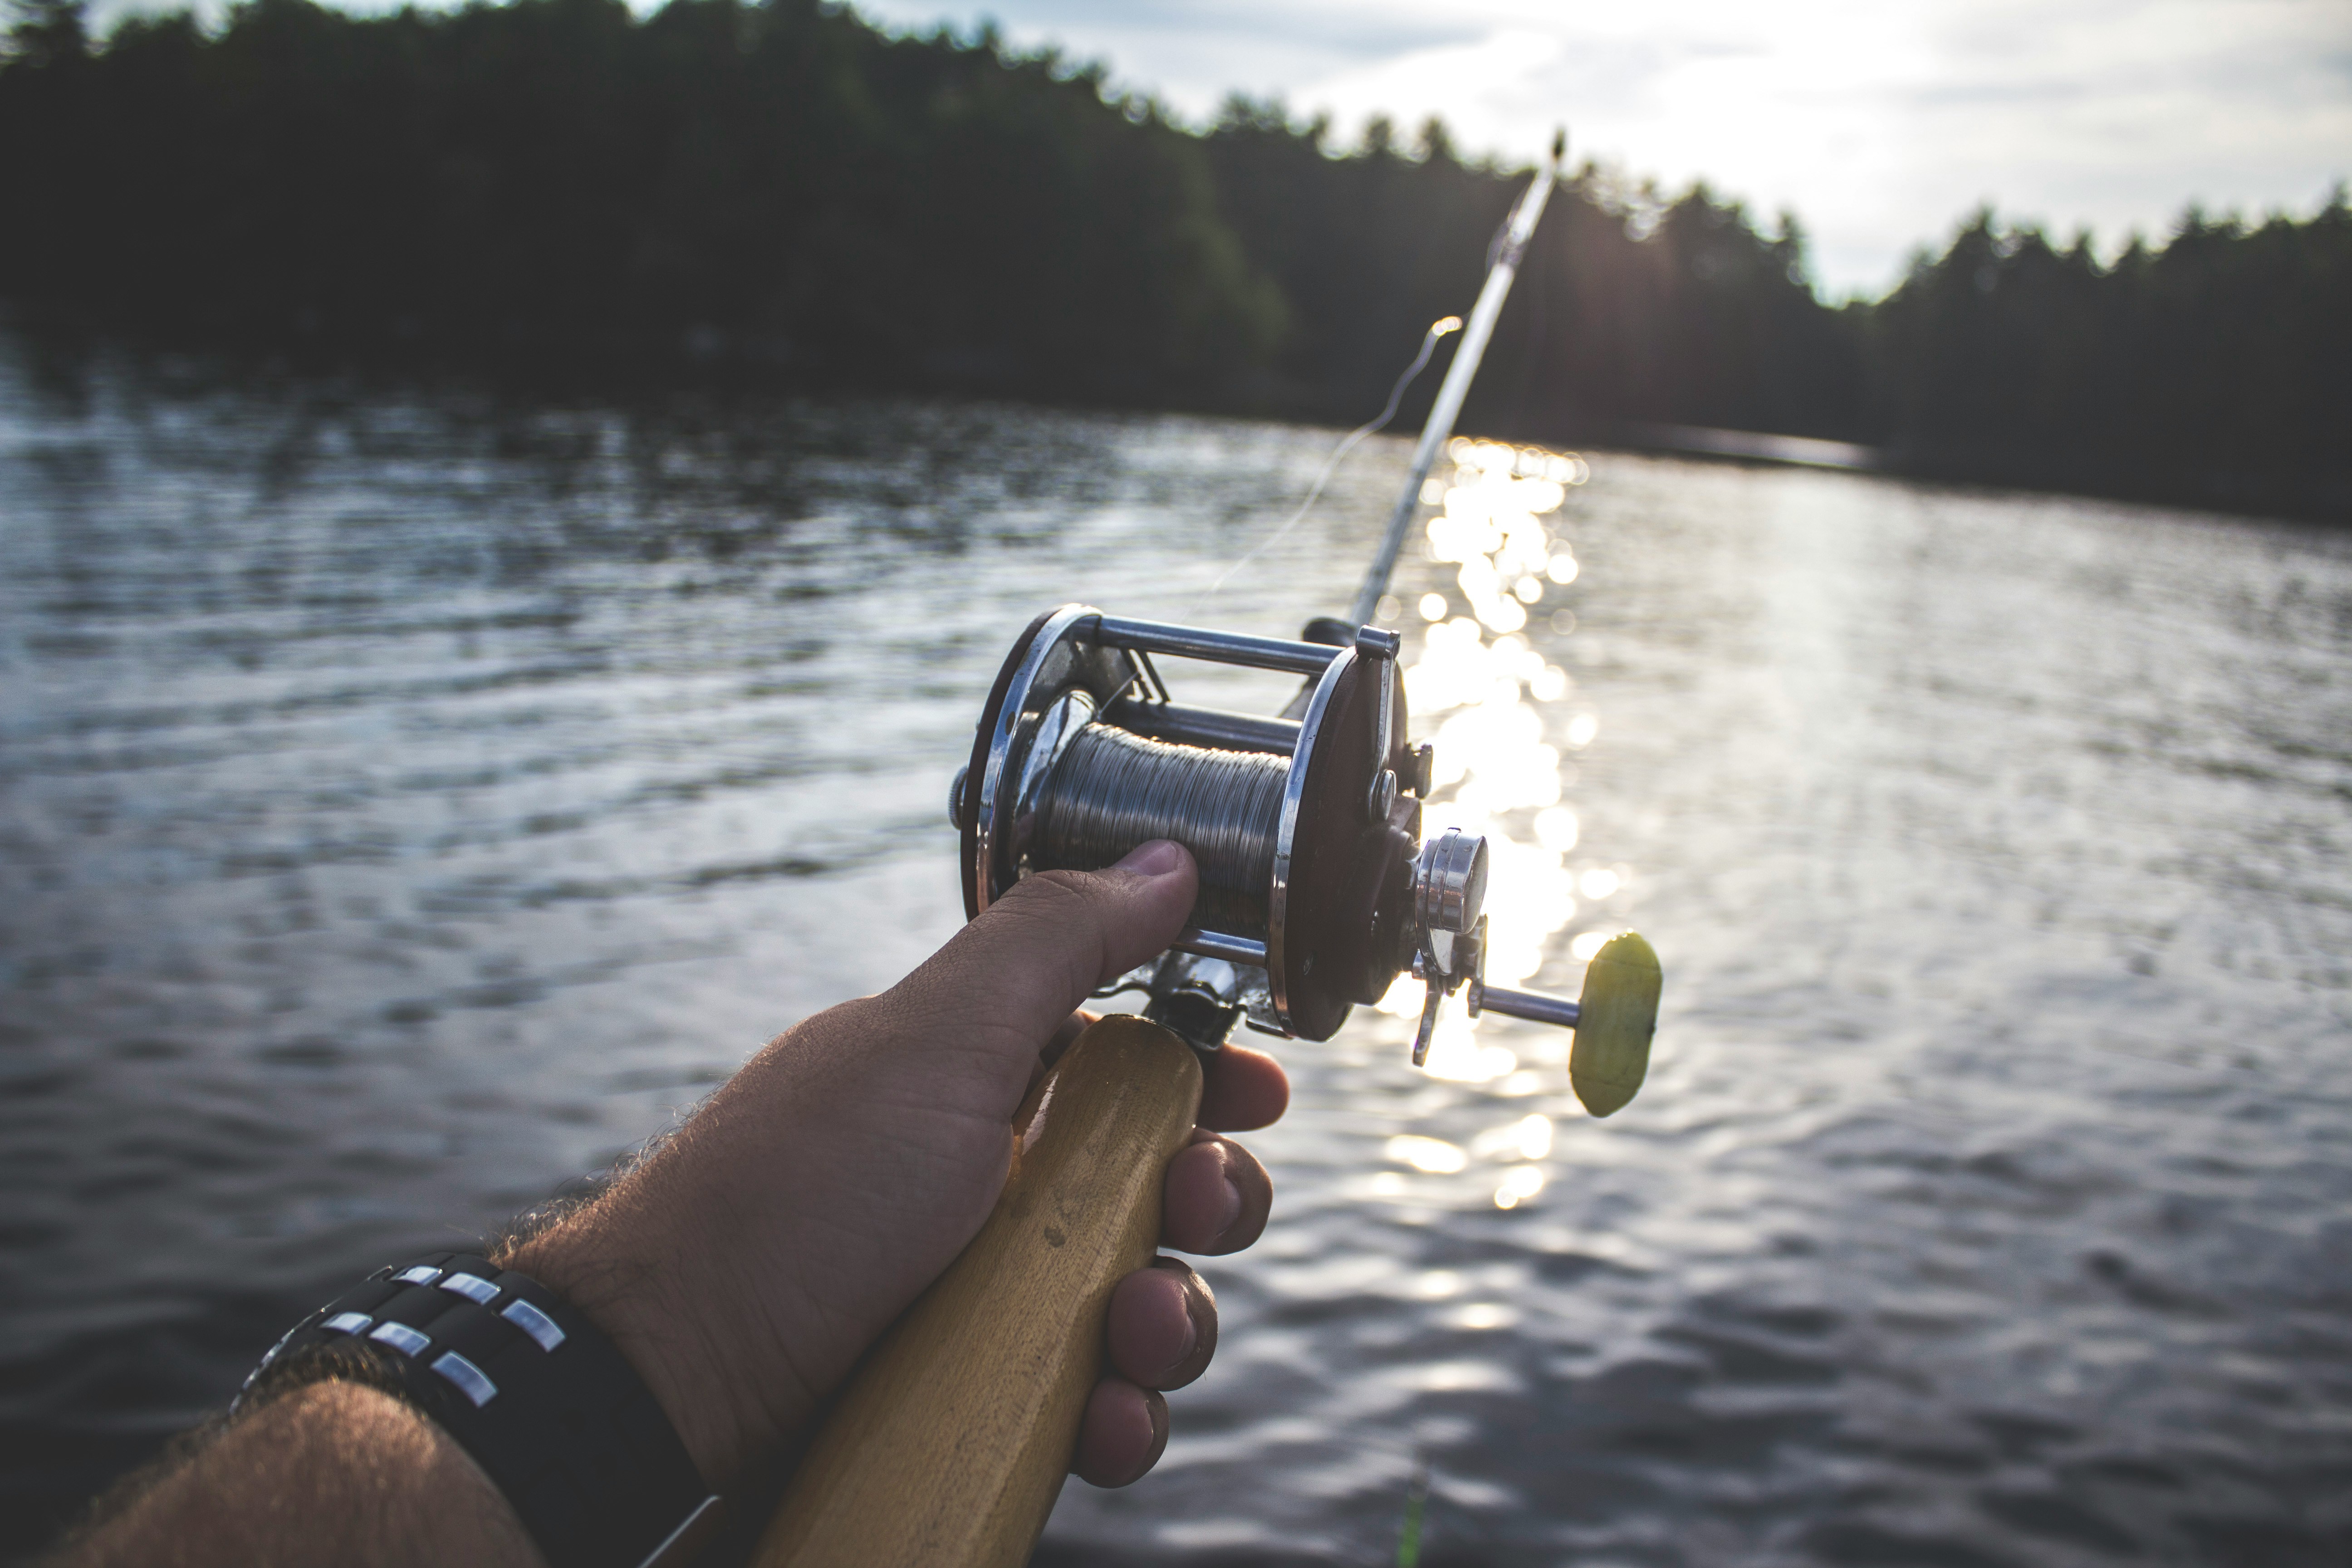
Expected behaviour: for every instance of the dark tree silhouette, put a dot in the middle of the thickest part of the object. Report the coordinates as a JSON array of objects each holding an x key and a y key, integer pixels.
[
  {"x": 779, "y": 189},
  {"x": 2217, "y": 369}
]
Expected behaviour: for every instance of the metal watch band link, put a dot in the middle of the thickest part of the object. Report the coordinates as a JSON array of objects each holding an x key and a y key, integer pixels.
[{"x": 545, "y": 1403}]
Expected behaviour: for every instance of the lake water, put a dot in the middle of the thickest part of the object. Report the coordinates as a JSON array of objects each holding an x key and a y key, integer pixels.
[{"x": 409, "y": 800}]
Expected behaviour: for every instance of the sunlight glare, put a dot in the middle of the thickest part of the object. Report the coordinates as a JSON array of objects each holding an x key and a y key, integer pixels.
[
  {"x": 1485, "y": 687},
  {"x": 1483, "y": 1315},
  {"x": 1434, "y": 1156},
  {"x": 1519, "y": 1183},
  {"x": 1456, "y": 1056},
  {"x": 1529, "y": 1137}
]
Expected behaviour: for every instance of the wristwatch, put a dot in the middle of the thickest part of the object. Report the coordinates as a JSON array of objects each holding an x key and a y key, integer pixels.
[{"x": 546, "y": 1405}]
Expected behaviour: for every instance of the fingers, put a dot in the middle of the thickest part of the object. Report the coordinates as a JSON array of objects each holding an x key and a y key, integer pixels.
[
  {"x": 1013, "y": 977},
  {"x": 1216, "y": 1196},
  {"x": 1122, "y": 1435},
  {"x": 1243, "y": 1088},
  {"x": 1163, "y": 1329},
  {"x": 1164, "y": 1325}
]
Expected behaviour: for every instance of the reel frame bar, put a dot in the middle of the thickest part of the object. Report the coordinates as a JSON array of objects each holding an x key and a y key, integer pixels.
[
  {"x": 1216, "y": 944},
  {"x": 1218, "y": 726},
  {"x": 1212, "y": 647}
]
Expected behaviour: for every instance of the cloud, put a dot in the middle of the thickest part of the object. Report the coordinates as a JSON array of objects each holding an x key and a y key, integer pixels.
[
  {"x": 1193, "y": 53},
  {"x": 1880, "y": 125}
]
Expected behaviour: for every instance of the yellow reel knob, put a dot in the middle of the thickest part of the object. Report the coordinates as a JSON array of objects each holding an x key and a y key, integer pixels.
[{"x": 1616, "y": 1015}]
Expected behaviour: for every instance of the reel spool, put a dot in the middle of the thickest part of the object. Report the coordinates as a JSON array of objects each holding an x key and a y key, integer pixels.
[{"x": 1316, "y": 889}]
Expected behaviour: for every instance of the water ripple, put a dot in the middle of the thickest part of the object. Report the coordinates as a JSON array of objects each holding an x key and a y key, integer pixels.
[{"x": 407, "y": 800}]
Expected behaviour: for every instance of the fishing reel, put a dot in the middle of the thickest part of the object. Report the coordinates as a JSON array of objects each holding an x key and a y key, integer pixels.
[{"x": 1316, "y": 889}]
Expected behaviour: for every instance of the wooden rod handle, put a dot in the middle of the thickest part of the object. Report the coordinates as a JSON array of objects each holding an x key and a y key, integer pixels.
[{"x": 952, "y": 1440}]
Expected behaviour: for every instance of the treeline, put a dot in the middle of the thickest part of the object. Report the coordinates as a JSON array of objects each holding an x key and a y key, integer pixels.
[
  {"x": 559, "y": 179},
  {"x": 780, "y": 190},
  {"x": 2216, "y": 370}
]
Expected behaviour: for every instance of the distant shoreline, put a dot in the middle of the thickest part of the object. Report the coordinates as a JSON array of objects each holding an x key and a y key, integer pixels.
[
  {"x": 782, "y": 193},
  {"x": 626, "y": 379}
]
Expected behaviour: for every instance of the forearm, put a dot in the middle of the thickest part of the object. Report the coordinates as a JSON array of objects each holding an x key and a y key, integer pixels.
[
  {"x": 743, "y": 1268},
  {"x": 330, "y": 1473}
]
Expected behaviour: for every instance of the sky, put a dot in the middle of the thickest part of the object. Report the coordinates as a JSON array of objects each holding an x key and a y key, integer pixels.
[{"x": 1880, "y": 125}]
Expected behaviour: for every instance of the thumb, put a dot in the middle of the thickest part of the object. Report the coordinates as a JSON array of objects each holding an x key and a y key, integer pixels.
[{"x": 1024, "y": 965}]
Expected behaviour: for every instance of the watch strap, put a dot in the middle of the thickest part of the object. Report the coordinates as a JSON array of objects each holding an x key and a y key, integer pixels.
[{"x": 545, "y": 1403}]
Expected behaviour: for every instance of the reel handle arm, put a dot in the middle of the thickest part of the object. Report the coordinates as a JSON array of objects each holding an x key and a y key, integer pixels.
[{"x": 1532, "y": 1006}]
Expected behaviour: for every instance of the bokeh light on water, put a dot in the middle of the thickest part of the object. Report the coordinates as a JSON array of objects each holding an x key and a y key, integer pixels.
[{"x": 1479, "y": 691}]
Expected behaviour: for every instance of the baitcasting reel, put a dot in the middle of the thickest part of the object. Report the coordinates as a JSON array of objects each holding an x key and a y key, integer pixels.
[{"x": 1316, "y": 888}]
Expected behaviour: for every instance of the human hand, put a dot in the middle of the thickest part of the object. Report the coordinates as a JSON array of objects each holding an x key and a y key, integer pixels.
[{"x": 746, "y": 1265}]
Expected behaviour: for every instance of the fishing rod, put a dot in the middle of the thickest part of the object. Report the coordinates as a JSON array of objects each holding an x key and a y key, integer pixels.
[
  {"x": 1317, "y": 892},
  {"x": 1502, "y": 268}
]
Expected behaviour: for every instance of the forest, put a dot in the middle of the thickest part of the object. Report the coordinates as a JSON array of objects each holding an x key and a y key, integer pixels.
[{"x": 781, "y": 193}]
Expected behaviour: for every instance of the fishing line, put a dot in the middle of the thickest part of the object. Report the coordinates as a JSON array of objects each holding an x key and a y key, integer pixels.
[
  {"x": 1437, "y": 330},
  {"x": 1112, "y": 791}
]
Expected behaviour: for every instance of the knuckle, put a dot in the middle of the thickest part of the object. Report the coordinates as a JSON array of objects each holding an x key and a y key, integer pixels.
[
  {"x": 1048, "y": 893},
  {"x": 1048, "y": 906}
]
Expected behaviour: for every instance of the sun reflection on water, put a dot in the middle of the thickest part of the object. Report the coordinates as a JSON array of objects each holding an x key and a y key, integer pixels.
[
  {"x": 1507, "y": 719},
  {"x": 1519, "y": 1183},
  {"x": 1528, "y": 1138},
  {"x": 1434, "y": 1156}
]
